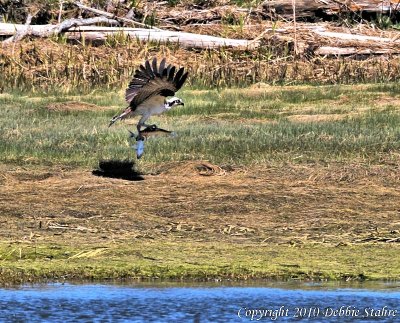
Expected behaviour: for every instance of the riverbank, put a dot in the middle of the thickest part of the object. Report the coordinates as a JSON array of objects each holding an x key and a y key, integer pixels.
[
  {"x": 263, "y": 182},
  {"x": 197, "y": 261},
  {"x": 292, "y": 223}
]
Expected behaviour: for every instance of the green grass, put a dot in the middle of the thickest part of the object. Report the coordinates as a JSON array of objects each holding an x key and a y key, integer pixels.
[
  {"x": 194, "y": 260},
  {"x": 243, "y": 126}
]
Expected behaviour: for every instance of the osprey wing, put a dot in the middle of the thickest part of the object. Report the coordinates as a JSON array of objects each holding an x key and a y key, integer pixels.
[{"x": 151, "y": 79}]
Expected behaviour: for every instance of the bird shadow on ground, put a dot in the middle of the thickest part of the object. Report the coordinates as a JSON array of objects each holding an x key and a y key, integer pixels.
[{"x": 122, "y": 169}]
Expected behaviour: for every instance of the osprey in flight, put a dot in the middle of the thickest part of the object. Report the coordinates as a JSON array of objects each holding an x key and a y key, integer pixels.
[{"x": 148, "y": 91}]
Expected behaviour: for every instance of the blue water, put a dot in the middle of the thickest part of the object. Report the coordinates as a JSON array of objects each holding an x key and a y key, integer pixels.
[{"x": 281, "y": 302}]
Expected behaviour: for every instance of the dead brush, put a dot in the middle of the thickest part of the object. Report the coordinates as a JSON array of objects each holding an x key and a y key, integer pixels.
[{"x": 46, "y": 65}]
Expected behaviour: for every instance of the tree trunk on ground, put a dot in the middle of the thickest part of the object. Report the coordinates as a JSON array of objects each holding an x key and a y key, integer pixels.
[
  {"x": 94, "y": 33},
  {"x": 317, "y": 40},
  {"x": 19, "y": 31},
  {"x": 317, "y": 8}
]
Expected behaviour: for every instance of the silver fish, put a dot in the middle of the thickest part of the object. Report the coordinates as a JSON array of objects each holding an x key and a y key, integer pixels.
[
  {"x": 139, "y": 147},
  {"x": 138, "y": 144},
  {"x": 150, "y": 131}
]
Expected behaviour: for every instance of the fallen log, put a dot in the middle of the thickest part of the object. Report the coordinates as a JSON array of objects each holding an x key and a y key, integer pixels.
[
  {"x": 345, "y": 44},
  {"x": 18, "y": 31},
  {"x": 319, "y": 8},
  {"x": 347, "y": 51},
  {"x": 354, "y": 37},
  {"x": 321, "y": 30},
  {"x": 95, "y": 33},
  {"x": 317, "y": 40},
  {"x": 187, "y": 40}
]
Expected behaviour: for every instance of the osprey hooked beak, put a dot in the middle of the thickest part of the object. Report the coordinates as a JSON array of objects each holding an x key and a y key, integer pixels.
[{"x": 180, "y": 102}]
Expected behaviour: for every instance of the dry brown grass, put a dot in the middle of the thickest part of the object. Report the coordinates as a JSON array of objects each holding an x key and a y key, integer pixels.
[
  {"x": 75, "y": 106},
  {"x": 316, "y": 117},
  {"x": 48, "y": 64},
  {"x": 330, "y": 204}
]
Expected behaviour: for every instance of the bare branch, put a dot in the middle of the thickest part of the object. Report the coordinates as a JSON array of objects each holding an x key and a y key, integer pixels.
[
  {"x": 111, "y": 16},
  {"x": 67, "y": 24},
  {"x": 60, "y": 11},
  {"x": 20, "y": 34}
]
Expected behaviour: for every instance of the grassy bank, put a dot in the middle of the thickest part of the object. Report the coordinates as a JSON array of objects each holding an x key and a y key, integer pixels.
[
  {"x": 195, "y": 260},
  {"x": 302, "y": 182}
]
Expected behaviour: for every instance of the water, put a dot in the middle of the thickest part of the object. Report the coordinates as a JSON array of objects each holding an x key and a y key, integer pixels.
[{"x": 169, "y": 302}]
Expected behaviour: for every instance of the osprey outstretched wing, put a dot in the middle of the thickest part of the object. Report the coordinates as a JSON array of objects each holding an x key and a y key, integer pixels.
[
  {"x": 150, "y": 80},
  {"x": 148, "y": 91}
]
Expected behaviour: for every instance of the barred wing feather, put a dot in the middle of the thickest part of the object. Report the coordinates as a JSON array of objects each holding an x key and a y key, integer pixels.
[{"x": 151, "y": 79}]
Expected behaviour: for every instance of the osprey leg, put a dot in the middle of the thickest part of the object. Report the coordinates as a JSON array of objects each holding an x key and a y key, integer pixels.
[{"x": 142, "y": 124}]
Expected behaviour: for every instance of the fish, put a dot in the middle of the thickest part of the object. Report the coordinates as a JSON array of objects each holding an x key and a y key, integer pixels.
[
  {"x": 139, "y": 147},
  {"x": 150, "y": 131},
  {"x": 153, "y": 131}
]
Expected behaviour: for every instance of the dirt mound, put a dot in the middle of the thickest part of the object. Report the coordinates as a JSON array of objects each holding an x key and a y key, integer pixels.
[{"x": 73, "y": 106}]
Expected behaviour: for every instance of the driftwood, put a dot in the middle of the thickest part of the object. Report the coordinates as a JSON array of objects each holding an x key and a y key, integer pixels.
[
  {"x": 353, "y": 44},
  {"x": 78, "y": 29},
  {"x": 346, "y": 51},
  {"x": 317, "y": 40},
  {"x": 354, "y": 37},
  {"x": 18, "y": 31},
  {"x": 317, "y": 8},
  {"x": 187, "y": 40},
  {"x": 314, "y": 40},
  {"x": 94, "y": 33}
]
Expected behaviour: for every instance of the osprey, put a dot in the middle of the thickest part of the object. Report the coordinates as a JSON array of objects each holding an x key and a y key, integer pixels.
[{"x": 148, "y": 91}]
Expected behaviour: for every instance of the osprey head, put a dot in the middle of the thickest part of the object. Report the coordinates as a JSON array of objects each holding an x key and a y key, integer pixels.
[{"x": 173, "y": 102}]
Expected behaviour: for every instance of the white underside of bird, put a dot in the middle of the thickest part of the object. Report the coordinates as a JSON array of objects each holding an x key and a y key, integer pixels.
[{"x": 153, "y": 106}]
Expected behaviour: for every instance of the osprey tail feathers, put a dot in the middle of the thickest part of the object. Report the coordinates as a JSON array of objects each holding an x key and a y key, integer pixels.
[{"x": 121, "y": 116}]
